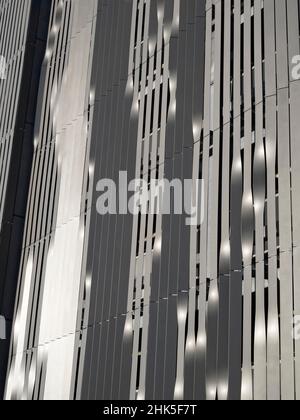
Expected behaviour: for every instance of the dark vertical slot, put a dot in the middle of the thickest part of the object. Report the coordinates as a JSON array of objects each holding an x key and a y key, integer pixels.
[
  {"x": 152, "y": 111},
  {"x": 160, "y": 106},
  {"x": 145, "y": 116},
  {"x": 138, "y": 234}
]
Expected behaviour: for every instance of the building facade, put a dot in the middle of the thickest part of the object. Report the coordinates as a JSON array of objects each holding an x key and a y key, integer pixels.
[
  {"x": 144, "y": 306},
  {"x": 23, "y": 34}
]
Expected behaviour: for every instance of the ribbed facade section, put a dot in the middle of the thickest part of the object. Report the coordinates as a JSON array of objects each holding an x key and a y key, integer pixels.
[
  {"x": 24, "y": 26},
  {"x": 210, "y": 310},
  {"x": 43, "y": 335},
  {"x": 248, "y": 241},
  {"x": 14, "y": 27}
]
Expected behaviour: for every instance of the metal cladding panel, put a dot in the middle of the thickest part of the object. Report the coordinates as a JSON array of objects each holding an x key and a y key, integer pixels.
[
  {"x": 50, "y": 281},
  {"x": 159, "y": 108},
  {"x": 23, "y": 33}
]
